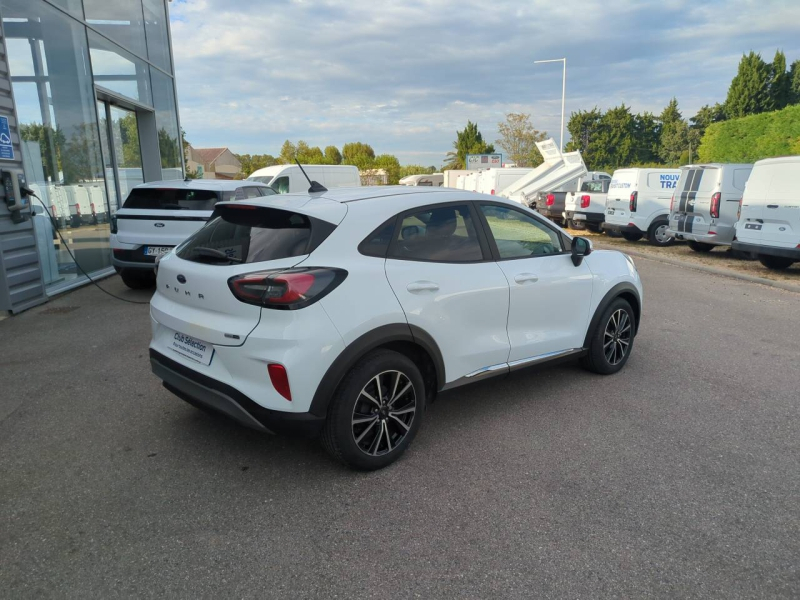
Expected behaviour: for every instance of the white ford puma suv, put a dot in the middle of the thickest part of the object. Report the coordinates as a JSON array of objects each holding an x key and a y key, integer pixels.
[{"x": 343, "y": 313}]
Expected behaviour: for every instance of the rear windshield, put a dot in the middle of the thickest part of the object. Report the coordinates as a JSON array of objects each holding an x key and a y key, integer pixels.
[
  {"x": 171, "y": 199},
  {"x": 592, "y": 186},
  {"x": 242, "y": 233},
  {"x": 265, "y": 179}
]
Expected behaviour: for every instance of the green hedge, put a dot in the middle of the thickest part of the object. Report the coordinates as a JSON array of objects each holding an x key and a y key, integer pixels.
[{"x": 752, "y": 138}]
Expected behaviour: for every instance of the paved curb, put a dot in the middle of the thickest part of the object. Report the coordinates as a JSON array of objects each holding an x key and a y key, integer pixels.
[{"x": 722, "y": 272}]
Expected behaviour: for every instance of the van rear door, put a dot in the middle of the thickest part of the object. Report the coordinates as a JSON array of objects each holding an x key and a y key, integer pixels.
[
  {"x": 781, "y": 209},
  {"x": 693, "y": 200},
  {"x": 623, "y": 184}
]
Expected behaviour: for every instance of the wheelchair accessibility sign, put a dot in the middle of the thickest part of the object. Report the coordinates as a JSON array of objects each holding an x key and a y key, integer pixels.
[{"x": 6, "y": 149}]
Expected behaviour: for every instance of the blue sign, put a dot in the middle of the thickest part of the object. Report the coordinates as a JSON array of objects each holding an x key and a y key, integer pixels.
[{"x": 6, "y": 149}]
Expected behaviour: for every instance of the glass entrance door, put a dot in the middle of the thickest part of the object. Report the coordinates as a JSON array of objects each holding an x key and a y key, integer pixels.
[{"x": 122, "y": 153}]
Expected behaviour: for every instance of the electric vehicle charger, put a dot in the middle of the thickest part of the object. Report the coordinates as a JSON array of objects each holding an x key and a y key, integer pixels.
[{"x": 77, "y": 264}]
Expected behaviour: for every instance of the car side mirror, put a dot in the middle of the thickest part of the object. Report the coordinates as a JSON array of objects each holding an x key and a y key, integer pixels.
[{"x": 580, "y": 247}]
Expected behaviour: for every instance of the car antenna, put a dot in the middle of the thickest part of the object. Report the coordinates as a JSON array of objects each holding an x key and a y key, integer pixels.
[{"x": 315, "y": 187}]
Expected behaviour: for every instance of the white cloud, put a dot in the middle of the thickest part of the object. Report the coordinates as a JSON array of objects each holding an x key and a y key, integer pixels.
[{"x": 404, "y": 76}]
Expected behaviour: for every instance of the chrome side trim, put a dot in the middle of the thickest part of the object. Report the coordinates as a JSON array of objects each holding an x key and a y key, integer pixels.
[
  {"x": 534, "y": 360},
  {"x": 487, "y": 371}
]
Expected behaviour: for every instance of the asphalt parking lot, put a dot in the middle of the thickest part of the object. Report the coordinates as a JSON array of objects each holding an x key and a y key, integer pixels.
[{"x": 678, "y": 477}]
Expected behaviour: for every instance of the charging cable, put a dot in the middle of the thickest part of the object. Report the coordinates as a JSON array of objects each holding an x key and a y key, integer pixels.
[{"x": 77, "y": 264}]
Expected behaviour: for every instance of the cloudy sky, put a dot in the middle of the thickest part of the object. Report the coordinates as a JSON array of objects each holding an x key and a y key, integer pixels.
[{"x": 404, "y": 75}]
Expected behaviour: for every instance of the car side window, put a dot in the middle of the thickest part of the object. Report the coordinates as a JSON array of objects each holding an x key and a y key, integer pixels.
[
  {"x": 438, "y": 234},
  {"x": 281, "y": 185},
  {"x": 518, "y": 235},
  {"x": 251, "y": 192},
  {"x": 377, "y": 242}
]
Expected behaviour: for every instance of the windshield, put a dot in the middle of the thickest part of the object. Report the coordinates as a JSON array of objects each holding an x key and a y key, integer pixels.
[
  {"x": 265, "y": 179},
  {"x": 171, "y": 199}
]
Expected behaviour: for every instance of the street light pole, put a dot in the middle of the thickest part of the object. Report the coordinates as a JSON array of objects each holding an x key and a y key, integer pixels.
[{"x": 563, "y": 92}]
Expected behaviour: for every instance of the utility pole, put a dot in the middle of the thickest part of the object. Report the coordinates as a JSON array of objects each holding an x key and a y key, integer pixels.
[{"x": 563, "y": 92}]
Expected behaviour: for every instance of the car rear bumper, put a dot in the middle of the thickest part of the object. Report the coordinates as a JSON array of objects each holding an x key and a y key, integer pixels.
[
  {"x": 621, "y": 228},
  {"x": 551, "y": 212},
  {"x": 203, "y": 391},
  {"x": 793, "y": 253},
  {"x": 586, "y": 217}
]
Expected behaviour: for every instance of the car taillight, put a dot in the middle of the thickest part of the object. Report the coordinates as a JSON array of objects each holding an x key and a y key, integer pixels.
[
  {"x": 585, "y": 200},
  {"x": 287, "y": 289},
  {"x": 634, "y": 198},
  {"x": 78, "y": 209},
  {"x": 672, "y": 204},
  {"x": 492, "y": 192},
  {"x": 551, "y": 199},
  {"x": 280, "y": 380},
  {"x": 739, "y": 210},
  {"x": 715, "y": 199},
  {"x": 114, "y": 224}
]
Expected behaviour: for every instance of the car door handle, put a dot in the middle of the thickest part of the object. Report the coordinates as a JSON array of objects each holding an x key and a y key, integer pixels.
[
  {"x": 422, "y": 286},
  {"x": 526, "y": 278}
]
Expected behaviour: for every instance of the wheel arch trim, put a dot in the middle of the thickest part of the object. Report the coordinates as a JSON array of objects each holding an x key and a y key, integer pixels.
[
  {"x": 624, "y": 290},
  {"x": 357, "y": 349}
]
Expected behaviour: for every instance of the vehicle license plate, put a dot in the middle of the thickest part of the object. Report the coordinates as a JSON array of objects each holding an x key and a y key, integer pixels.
[
  {"x": 578, "y": 217},
  {"x": 156, "y": 250}
]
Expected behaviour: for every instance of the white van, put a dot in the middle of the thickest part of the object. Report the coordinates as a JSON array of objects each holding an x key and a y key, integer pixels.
[
  {"x": 424, "y": 180},
  {"x": 286, "y": 179},
  {"x": 638, "y": 204},
  {"x": 769, "y": 220},
  {"x": 704, "y": 207},
  {"x": 451, "y": 177},
  {"x": 493, "y": 181}
]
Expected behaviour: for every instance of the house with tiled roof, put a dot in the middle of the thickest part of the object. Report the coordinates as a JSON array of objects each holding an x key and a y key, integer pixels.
[{"x": 212, "y": 163}]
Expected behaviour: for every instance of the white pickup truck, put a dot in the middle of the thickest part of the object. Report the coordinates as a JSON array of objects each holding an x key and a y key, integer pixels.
[{"x": 586, "y": 208}]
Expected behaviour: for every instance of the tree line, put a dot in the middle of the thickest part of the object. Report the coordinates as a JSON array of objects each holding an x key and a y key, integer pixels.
[
  {"x": 358, "y": 154},
  {"x": 618, "y": 137}
]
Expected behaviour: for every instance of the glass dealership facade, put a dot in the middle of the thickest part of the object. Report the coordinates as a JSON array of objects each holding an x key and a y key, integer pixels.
[{"x": 94, "y": 90}]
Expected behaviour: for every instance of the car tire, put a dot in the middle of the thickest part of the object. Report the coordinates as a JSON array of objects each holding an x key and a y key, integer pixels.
[
  {"x": 657, "y": 234},
  {"x": 577, "y": 225},
  {"x": 138, "y": 279},
  {"x": 361, "y": 430},
  {"x": 776, "y": 263},
  {"x": 593, "y": 228},
  {"x": 616, "y": 326},
  {"x": 631, "y": 236},
  {"x": 701, "y": 247}
]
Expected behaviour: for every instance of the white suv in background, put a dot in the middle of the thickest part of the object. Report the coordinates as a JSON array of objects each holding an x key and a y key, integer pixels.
[
  {"x": 158, "y": 216},
  {"x": 343, "y": 313}
]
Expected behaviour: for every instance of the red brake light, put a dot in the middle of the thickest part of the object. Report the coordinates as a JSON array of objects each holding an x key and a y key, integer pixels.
[
  {"x": 241, "y": 207},
  {"x": 715, "y": 199},
  {"x": 280, "y": 380},
  {"x": 551, "y": 199},
  {"x": 585, "y": 200},
  {"x": 287, "y": 289},
  {"x": 634, "y": 198},
  {"x": 492, "y": 192}
]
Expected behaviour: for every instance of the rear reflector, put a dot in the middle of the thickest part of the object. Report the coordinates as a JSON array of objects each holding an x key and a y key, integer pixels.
[
  {"x": 585, "y": 200},
  {"x": 492, "y": 192},
  {"x": 280, "y": 380},
  {"x": 551, "y": 199}
]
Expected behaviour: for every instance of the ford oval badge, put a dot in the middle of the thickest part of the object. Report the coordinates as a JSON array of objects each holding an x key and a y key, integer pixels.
[
  {"x": 181, "y": 279},
  {"x": 158, "y": 224}
]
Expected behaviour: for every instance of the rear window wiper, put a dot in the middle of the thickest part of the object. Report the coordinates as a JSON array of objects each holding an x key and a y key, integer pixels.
[{"x": 214, "y": 253}]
